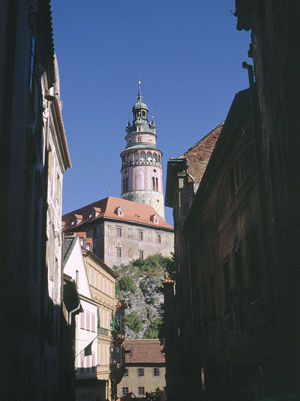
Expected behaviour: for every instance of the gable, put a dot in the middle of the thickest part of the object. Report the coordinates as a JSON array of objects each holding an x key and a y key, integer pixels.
[{"x": 75, "y": 263}]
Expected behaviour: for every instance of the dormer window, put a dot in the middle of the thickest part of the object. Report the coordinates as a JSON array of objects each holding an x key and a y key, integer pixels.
[
  {"x": 96, "y": 211},
  {"x": 119, "y": 211},
  {"x": 77, "y": 218},
  {"x": 154, "y": 218}
]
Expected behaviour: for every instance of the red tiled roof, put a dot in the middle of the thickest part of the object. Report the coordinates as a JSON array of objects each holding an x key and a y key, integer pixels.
[
  {"x": 143, "y": 351},
  {"x": 133, "y": 211},
  {"x": 199, "y": 154},
  {"x": 81, "y": 234}
]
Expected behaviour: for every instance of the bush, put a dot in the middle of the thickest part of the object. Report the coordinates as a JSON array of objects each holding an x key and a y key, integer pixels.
[
  {"x": 126, "y": 284},
  {"x": 154, "y": 329},
  {"x": 134, "y": 322},
  {"x": 154, "y": 262}
]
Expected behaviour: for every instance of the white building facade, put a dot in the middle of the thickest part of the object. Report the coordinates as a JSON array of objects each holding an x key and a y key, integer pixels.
[{"x": 86, "y": 322}]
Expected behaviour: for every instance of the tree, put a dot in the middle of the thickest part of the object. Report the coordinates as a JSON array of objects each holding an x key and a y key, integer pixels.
[{"x": 134, "y": 322}]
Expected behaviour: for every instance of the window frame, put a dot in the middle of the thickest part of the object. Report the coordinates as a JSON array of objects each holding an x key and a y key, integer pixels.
[
  {"x": 125, "y": 390},
  {"x": 118, "y": 252},
  {"x": 141, "y": 390},
  {"x": 141, "y": 372}
]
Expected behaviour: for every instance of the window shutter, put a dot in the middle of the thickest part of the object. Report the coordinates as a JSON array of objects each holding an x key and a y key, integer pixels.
[
  {"x": 88, "y": 327},
  {"x": 82, "y": 320},
  {"x": 93, "y": 321}
]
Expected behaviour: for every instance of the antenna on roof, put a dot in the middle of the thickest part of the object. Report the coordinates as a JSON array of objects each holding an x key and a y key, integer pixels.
[{"x": 108, "y": 191}]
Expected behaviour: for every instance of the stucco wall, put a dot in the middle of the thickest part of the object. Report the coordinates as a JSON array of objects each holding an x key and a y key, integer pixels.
[
  {"x": 130, "y": 243},
  {"x": 150, "y": 382}
]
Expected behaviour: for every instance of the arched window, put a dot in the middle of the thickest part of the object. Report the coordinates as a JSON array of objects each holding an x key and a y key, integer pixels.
[
  {"x": 155, "y": 157},
  {"x": 156, "y": 182},
  {"x": 149, "y": 157},
  {"x": 142, "y": 157},
  {"x": 153, "y": 183},
  {"x": 136, "y": 157}
]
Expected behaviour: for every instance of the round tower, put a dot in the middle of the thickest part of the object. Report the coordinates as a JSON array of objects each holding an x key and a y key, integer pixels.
[{"x": 141, "y": 160}]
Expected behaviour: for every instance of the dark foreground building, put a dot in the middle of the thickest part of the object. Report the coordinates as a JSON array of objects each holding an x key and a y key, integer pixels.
[
  {"x": 240, "y": 233},
  {"x": 36, "y": 329}
]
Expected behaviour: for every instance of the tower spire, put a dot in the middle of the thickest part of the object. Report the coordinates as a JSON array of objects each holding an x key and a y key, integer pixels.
[
  {"x": 139, "y": 96},
  {"x": 141, "y": 160}
]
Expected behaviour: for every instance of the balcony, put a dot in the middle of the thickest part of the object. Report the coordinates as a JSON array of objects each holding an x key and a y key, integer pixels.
[{"x": 103, "y": 331}]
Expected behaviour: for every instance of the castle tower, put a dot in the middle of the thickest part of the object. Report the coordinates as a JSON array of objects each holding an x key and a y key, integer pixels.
[{"x": 141, "y": 160}]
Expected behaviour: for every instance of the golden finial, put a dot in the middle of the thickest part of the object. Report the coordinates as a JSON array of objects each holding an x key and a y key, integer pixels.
[{"x": 139, "y": 91}]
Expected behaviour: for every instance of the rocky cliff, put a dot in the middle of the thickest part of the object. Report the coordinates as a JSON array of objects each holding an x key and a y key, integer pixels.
[{"x": 140, "y": 284}]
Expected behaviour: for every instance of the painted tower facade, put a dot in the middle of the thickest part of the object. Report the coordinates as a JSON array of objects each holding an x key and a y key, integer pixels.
[{"x": 141, "y": 160}]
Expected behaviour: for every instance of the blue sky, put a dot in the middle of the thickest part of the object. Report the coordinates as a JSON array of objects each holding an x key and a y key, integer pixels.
[{"x": 187, "y": 54}]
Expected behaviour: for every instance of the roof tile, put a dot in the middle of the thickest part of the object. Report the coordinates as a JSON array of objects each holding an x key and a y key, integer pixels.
[{"x": 133, "y": 211}]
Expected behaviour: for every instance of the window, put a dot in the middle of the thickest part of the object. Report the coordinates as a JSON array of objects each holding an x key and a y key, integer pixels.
[
  {"x": 155, "y": 371},
  {"x": 141, "y": 390},
  {"x": 119, "y": 252},
  {"x": 93, "y": 321},
  {"x": 141, "y": 254},
  {"x": 126, "y": 373},
  {"x": 159, "y": 238},
  {"x": 239, "y": 276},
  {"x": 88, "y": 327},
  {"x": 82, "y": 320},
  {"x": 153, "y": 183},
  {"x": 226, "y": 286},
  {"x": 125, "y": 390},
  {"x": 212, "y": 298},
  {"x": 32, "y": 57},
  {"x": 140, "y": 372},
  {"x": 156, "y": 181},
  {"x": 139, "y": 139},
  {"x": 141, "y": 235},
  {"x": 254, "y": 261},
  {"x": 119, "y": 232}
]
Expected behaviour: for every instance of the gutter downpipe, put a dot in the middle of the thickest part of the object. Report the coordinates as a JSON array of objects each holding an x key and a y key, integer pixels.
[
  {"x": 191, "y": 293},
  {"x": 71, "y": 313}
]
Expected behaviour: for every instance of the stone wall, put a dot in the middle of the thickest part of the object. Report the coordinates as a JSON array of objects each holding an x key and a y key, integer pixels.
[{"x": 125, "y": 242}]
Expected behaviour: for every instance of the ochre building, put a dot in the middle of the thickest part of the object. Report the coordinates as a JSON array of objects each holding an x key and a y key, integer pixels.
[{"x": 145, "y": 368}]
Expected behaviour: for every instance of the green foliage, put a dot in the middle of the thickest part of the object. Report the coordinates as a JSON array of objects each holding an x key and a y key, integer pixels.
[
  {"x": 155, "y": 262},
  {"x": 134, "y": 322},
  {"x": 153, "y": 331},
  {"x": 126, "y": 284},
  {"x": 151, "y": 301}
]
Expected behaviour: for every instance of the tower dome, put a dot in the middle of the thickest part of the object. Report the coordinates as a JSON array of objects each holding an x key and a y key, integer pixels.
[{"x": 141, "y": 170}]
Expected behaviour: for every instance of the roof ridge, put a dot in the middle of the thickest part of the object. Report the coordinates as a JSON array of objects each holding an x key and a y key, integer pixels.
[{"x": 200, "y": 140}]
